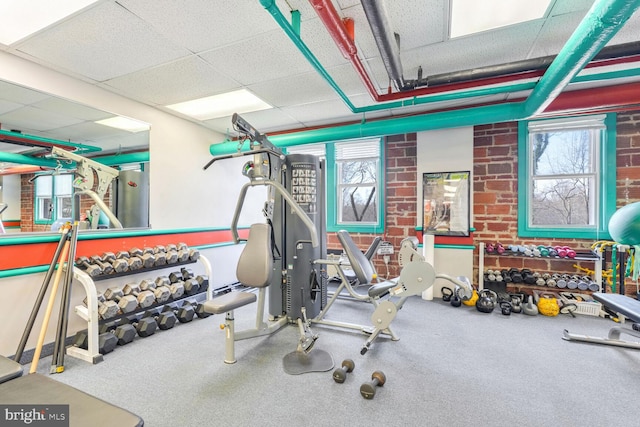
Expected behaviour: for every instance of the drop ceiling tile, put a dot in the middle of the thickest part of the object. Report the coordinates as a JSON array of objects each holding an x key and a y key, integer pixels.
[
  {"x": 200, "y": 25},
  {"x": 71, "y": 109},
  {"x": 35, "y": 118},
  {"x": 425, "y": 24},
  {"x": 568, "y": 6},
  {"x": 260, "y": 58},
  {"x": 319, "y": 111},
  {"x": 293, "y": 90},
  {"x": 19, "y": 94},
  {"x": 6, "y": 106},
  {"x": 101, "y": 43},
  {"x": 182, "y": 80}
]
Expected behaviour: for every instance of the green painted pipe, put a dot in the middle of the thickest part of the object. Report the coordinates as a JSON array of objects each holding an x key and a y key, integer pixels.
[
  {"x": 601, "y": 23},
  {"x": 79, "y": 148},
  {"x": 604, "y": 19},
  {"x": 121, "y": 159},
  {"x": 270, "y": 6}
]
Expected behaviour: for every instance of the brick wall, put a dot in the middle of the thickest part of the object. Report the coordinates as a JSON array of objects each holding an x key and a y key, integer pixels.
[
  {"x": 495, "y": 192},
  {"x": 400, "y": 200}
]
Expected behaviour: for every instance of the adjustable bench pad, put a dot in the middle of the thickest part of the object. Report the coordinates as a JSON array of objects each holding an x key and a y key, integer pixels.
[
  {"x": 84, "y": 409},
  {"x": 228, "y": 302},
  {"x": 622, "y": 304}
]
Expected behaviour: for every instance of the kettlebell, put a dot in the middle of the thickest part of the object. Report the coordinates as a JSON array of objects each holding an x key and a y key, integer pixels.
[
  {"x": 530, "y": 308},
  {"x": 471, "y": 301},
  {"x": 455, "y": 300},
  {"x": 447, "y": 293},
  {"x": 486, "y": 301},
  {"x": 505, "y": 307},
  {"x": 516, "y": 304}
]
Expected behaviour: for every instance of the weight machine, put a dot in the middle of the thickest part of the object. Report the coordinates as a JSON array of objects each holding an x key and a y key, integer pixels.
[
  {"x": 286, "y": 257},
  {"x": 84, "y": 181}
]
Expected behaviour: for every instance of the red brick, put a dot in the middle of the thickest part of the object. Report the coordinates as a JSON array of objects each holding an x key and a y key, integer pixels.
[{"x": 485, "y": 198}]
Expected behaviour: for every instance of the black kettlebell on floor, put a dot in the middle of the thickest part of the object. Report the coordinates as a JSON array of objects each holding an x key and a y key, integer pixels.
[
  {"x": 486, "y": 301},
  {"x": 505, "y": 307},
  {"x": 447, "y": 293},
  {"x": 455, "y": 300}
]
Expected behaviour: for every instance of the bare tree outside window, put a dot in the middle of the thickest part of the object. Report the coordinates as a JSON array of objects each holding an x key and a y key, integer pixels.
[
  {"x": 358, "y": 181},
  {"x": 564, "y": 177}
]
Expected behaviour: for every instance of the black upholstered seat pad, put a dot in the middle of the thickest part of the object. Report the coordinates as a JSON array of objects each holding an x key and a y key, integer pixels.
[{"x": 622, "y": 304}]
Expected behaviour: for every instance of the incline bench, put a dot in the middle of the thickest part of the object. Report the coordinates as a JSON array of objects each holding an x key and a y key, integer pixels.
[
  {"x": 621, "y": 304},
  {"x": 37, "y": 389}
]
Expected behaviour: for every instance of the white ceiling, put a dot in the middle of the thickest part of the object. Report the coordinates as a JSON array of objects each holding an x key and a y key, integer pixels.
[{"x": 162, "y": 52}]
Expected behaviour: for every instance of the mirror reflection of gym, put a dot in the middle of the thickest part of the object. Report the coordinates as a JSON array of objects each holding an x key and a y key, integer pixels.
[{"x": 40, "y": 190}]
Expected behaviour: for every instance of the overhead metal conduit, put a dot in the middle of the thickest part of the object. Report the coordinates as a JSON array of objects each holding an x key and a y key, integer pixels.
[{"x": 601, "y": 23}]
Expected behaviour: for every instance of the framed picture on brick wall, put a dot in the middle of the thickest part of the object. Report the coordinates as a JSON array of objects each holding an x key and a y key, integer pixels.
[{"x": 445, "y": 201}]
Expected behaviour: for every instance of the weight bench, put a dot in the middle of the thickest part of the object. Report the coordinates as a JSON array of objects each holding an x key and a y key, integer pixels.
[
  {"x": 623, "y": 305},
  {"x": 37, "y": 389}
]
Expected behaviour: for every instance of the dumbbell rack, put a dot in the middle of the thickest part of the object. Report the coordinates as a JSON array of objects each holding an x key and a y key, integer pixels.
[
  {"x": 90, "y": 312},
  {"x": 596, "y": 258}
]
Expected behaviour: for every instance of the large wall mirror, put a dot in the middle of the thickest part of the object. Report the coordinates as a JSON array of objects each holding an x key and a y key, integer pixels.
[{"x": 40, "y": 188}]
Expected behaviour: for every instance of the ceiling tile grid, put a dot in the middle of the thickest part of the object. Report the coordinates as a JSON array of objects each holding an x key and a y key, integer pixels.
[
  {"x": 104, "y": 42},
  {"x": 182, "y": 80}
]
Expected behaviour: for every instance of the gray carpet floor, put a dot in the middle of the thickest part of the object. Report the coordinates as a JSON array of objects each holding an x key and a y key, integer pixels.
[{"x": 451, "y": 367}]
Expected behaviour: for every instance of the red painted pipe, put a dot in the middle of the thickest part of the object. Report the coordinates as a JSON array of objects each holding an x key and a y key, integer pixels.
[{"x": 341, "y": 36}]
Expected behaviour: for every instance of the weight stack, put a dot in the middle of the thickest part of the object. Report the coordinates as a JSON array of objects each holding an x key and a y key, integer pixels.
[{"x": 303, "y": 177}]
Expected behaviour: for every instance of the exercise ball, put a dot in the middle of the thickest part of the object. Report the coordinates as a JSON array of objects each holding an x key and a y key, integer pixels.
[{"x": 624, "y": 225}]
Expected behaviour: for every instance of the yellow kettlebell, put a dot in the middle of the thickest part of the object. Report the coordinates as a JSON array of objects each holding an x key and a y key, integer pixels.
[
  {"x": 471, "y": 302},
  {"x": 548, "y": 306}
]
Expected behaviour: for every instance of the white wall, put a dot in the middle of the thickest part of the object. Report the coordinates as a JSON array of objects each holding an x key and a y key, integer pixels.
[
  {"x": 441, "y": 151},
  {"x": 182, "y": 195}
]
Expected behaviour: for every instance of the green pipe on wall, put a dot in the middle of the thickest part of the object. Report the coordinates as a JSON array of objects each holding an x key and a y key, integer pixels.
[
  {"x": 601, "y": 23},
  {"x": 604, "y": 19}
]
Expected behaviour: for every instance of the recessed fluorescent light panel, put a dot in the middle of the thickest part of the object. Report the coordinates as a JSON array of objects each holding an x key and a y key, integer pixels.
[
  {"x": 223, "y": 105},
  {"x": 124, "y": 123},
  {"x": 474, "y": 16},
  {"x": 21, "y": 18}
]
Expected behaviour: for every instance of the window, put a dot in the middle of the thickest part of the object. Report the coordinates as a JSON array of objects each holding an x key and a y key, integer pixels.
[
  {"x": 355, "y": 170},
  {"x": 566, "y": 177},
  {"x": 54, "y": 197}
]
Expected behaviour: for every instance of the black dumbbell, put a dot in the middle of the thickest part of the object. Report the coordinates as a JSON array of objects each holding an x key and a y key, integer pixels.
[
  {"x": 106, "y": 308},
  {"x": 198, "y": 308},
  {"x": 184, "y": 313},
  {"x": 106, "y": 267},
  {"x": 107, "y": 342},
  {"x": 164, "y": 319},
  {"x": 172, "y": 253},
  {"x": 340, "y": 374},
  {"x": 161, "y": 293},
  {"x": 203, "y": 281},
  {"x": 134, "y": 262},
  {"x": 145, "y": 298},
  {"x": 85, "y": 264},
  {"x": 145, "y": 326},
  {"x": 124, "y": 332},
  {"x": 368, "y": 390},
  {"x": 176, "y": 289},
  {"x": 146, "y": 256},
  {"x": 126, "y": 303},
  {"x": 119, "y": 265}
]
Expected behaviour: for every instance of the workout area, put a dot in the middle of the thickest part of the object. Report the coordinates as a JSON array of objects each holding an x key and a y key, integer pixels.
[{"x": 319, "y": 212}]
